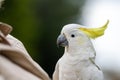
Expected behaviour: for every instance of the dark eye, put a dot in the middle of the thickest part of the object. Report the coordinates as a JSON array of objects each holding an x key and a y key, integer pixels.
[{"x": 72, "y": 35}]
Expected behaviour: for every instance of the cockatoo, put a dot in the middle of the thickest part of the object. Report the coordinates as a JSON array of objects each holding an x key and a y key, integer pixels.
[{"x": 77, "y": 62}]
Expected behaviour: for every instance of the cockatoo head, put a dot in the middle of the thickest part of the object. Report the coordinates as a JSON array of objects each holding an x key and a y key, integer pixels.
[{"x": 76, "y": 36}]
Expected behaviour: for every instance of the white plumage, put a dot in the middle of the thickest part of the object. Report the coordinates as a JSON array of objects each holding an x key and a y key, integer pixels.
[{"x": 77, "y": 62}]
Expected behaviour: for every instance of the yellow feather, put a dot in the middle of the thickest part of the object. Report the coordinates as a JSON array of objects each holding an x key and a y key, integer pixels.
[{"x": 95, "y": 32}]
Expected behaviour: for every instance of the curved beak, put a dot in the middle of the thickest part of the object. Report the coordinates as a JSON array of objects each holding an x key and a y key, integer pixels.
[{"x": 62, "y": 41}]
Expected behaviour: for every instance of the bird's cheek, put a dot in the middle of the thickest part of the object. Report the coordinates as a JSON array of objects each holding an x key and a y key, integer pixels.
[{"x": 80, "y": 41}]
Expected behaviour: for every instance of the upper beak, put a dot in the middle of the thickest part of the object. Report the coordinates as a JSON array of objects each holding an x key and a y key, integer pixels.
[{"x": 62, "y": 41}]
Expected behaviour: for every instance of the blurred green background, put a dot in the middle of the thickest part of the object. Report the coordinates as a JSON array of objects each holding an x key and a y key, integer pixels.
[{"x": 37, "y": 23}]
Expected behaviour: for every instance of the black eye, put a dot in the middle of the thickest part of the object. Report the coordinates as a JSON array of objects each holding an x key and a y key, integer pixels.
[{"x": 72, "y": 35}]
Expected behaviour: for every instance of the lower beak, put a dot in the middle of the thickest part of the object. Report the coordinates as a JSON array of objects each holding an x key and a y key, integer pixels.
[{"x": 62, "y": 41}]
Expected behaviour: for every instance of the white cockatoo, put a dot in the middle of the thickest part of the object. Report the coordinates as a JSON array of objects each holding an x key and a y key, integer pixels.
[{"x": 77, "y": 62}]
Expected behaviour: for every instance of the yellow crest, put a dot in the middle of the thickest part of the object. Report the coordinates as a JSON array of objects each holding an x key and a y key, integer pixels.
[{"x": 95, "y": 32}]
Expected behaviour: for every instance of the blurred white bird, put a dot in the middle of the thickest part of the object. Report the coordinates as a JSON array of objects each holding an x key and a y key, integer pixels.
[{"x": 77, "y": 63}]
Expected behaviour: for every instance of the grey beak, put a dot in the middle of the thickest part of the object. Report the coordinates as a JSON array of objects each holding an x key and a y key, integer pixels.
[{"x": 62, "y": 41}]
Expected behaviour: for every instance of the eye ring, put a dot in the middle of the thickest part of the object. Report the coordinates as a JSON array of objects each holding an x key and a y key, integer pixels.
[{"x": 72, "y": 35}]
